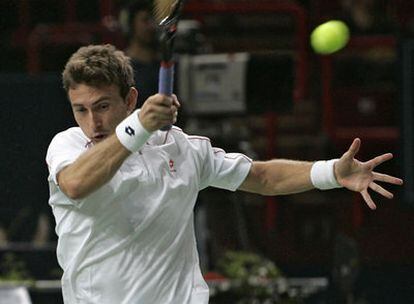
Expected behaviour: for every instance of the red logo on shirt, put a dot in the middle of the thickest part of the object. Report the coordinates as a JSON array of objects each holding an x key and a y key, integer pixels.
[{"x": 171, "y": 164}]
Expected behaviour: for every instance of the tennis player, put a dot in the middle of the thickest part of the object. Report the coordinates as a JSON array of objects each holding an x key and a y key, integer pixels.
[{"x": 123, "y": 192}]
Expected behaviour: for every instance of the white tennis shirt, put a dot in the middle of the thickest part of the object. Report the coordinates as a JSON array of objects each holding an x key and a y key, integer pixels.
[{"x": 132, "y": 241}]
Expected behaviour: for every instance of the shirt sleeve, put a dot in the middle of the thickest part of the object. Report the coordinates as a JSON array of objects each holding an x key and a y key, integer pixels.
[
  {"x": 63, "y": 150},
  {"x": 224, "y": 170}
]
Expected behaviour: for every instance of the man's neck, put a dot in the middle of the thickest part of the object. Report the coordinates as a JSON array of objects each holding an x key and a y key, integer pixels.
[{"x": 142, "y": 53}]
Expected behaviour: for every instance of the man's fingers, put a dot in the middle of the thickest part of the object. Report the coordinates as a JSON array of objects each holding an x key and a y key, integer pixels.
[
  {"x": 368, "y": 200},
  {"x": 161, "y": 111},
  {"x": 387, "y": 178},
  {"x": 161, "y": 100},
  {"x": 377, "y": 188},
  {"x": 379, "y": 159},
  {"x": 354, "y": 148},
  {"x": 166, "y": 105},
  {"x": 175, "y": 101},
  {"x": 166, "y": 101}
]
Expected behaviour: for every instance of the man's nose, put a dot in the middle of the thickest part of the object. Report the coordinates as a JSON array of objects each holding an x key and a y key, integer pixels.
[{"x": 95, "y": 119}]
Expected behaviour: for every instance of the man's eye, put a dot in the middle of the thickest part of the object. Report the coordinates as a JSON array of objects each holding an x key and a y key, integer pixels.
[
  {"x": 80, "y": 110},
  {"x": 103, "y": 106}
]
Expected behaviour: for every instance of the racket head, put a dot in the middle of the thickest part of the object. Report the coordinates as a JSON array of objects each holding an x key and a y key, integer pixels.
[{"x": 167, "y": 12}]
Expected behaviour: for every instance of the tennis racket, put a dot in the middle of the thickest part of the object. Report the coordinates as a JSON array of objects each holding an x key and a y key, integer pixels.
[{"x": 167, "y": 12}]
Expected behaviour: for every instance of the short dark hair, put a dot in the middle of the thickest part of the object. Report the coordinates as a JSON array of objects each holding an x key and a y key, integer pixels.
[
  {"x": 99, "y": 65},
  {"x": 131, "y": 9}
]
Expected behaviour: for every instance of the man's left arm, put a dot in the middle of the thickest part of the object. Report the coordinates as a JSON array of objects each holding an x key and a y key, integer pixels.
[{"x": 278, "y": 177}]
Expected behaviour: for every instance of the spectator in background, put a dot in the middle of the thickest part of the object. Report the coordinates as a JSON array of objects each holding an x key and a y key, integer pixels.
[
  {"x": 139, "y": 27},
  {"x": 367, "y": 16}
]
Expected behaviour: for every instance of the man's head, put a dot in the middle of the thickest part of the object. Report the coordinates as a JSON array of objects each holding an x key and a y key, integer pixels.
[
  {"x": 138, "y": 23},
  {"x": 99, "y": 81}
]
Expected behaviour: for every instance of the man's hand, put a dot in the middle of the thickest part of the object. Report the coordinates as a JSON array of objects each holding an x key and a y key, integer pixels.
[
  {"x": 159, "y": 111},
  {"x": 359, "y": 176}
]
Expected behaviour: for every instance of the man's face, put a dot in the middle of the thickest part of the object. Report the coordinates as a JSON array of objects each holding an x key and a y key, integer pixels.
[
  {"x": 144, "y": 28},
  {"x": 99, "y": 110}
]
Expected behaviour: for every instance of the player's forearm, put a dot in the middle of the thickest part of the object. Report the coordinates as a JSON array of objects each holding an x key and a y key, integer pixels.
[
  {"x": 93, "y": 168},
  {"x": 278, "y": 177}
]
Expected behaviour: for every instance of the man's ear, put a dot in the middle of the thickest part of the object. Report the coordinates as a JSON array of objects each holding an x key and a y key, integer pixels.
[{"x": 131, "y": 99}]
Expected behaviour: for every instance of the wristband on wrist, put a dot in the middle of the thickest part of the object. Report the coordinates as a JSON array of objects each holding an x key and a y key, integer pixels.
[
  {"x": 131, "y": 133},
  {"x": 323, "y": 176}
]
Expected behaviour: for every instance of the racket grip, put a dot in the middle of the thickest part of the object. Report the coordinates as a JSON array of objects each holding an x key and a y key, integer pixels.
[
  {"x": 166, "y": 79},
  {"x": 166, "y": 83}
]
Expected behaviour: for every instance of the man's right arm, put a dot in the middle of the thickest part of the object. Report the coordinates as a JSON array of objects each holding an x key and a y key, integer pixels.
[{"x": 89, "y": 171}]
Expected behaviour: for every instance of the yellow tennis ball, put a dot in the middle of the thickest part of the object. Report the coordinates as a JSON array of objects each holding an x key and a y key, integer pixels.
[{"x": 329, "y": 37}]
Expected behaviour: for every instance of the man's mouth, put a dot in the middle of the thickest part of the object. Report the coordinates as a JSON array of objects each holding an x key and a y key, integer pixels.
[{"x": 99, "y": 137}]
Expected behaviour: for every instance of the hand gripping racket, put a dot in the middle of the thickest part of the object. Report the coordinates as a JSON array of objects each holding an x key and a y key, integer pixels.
[{"x": 168, "y": 11}]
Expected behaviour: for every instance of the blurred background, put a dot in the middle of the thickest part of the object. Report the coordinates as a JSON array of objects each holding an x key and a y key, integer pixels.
[{"x": 248, "y": 79}]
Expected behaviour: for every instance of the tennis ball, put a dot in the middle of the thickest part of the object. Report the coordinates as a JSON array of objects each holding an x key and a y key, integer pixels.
[{"x": 329, "y": 37}]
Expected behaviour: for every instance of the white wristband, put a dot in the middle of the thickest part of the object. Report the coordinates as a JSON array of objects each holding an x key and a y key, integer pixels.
[
  {"x": 323, "y": 176},
  {"x": 131, "y": 133}
]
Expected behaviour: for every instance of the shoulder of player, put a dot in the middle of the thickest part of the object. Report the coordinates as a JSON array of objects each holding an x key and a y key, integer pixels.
[
  {"x": 69, "y": 141},
  {"x": 177, "y": 132},
  {"x": 71, "y": 135}
]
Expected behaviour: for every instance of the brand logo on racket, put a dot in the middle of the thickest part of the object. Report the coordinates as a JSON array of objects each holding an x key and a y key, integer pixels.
[{"x": 129, "y": 131}]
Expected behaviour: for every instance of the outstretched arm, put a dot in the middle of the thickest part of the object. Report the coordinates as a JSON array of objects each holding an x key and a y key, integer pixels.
[{"x": 278, "y": 177}]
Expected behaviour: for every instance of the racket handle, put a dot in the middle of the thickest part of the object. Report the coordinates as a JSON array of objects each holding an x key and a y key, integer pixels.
[
  {"x": 166, "y": 78},
  {"x": 166, "y": 82}
]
